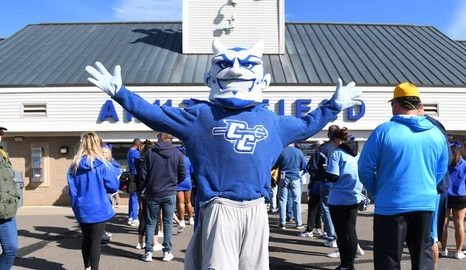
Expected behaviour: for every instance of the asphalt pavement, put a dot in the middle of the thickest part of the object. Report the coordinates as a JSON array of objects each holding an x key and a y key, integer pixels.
[{"x": 50, "y": 239}]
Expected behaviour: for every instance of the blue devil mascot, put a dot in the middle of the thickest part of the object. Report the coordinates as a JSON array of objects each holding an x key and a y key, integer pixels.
[{"x": 233, "y": 141}]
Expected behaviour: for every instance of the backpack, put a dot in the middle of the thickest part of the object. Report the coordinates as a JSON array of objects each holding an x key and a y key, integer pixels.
[{"x": 9, "y": 196}]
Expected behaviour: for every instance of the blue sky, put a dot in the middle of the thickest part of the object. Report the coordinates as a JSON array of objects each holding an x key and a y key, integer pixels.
[{"x": 449, "y": 16}]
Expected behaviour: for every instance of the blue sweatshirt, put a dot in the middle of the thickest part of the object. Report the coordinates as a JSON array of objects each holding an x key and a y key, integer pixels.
[
  {"x": 291, "y": 161},
  {"x": 457, "y": 179},
  {"x": 88, "y": 190},
  {"x": 133, "y": 155},
  {"x": 232, "y": 151},
  {"x": 186, "y": 184},
  {"x": 318, "y": 163},
  {"x": 401, "y": 164}
]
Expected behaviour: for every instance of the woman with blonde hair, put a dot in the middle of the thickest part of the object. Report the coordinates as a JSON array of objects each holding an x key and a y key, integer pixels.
[{"x": 90, "y": 179}]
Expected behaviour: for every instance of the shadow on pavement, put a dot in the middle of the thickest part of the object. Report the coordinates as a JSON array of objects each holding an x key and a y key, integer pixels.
[{"x": 37, "y": 263}]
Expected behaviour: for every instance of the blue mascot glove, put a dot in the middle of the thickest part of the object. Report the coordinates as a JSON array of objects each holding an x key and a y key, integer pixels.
[
  {"x": 346, "y": 96},
  {"x": 109, "y": 83}
]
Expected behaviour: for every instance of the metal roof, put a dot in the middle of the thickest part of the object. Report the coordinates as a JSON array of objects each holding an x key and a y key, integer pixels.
[
  {"x": 462, "y": 42},
  {"x": 150, "y": 54}
]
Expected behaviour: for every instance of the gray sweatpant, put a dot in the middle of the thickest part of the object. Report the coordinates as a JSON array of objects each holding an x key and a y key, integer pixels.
[{"x": 230, "y": 235}]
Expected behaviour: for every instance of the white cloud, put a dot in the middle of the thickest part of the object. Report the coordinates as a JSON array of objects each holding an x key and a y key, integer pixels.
[
  {"x": 457, "y": 29},
  {"x": 148, "y": 10}
]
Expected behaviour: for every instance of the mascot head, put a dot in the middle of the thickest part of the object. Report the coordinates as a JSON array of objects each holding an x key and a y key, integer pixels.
[{"x": 236, "y": 77}]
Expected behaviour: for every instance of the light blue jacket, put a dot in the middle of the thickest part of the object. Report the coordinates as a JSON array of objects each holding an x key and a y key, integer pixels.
[{"x": 401, "y": 164}]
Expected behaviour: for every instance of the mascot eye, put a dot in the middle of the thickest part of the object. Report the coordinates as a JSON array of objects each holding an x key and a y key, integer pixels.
[
  {"x": 248, "y": 65},
  {"x": 224, "y": 64}
]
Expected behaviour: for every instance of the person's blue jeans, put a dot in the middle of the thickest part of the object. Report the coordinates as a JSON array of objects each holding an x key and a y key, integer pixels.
[
  {"x": 328, "y": 224},
  {"x": 289, "y": 208},
  {"x": 290, "y": 188},
  {"x": 133, "y": 206},
  {"x": 9, "y": 242},
  {"x": 153, "y": 206},
  {"x": 273, "y": 199}
]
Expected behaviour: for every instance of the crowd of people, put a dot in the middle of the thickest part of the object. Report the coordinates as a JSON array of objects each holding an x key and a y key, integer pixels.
[{"x": 233, "y": 141}]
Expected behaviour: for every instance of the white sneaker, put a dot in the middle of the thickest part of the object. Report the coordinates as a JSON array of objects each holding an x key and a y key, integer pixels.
[
  {"x": 444, "y": 253},
  {"x": 130, "y": 220},
  {"x": 191, "y": 221},
  {"x": 317, "y": 233},
  {"x": 87, "y": 268},
  {"x": 147, "y": 257},
  {"x": 330, "y": 243},
  {"x": 359, "y": 251},
  {"x": 180, "y": 229},
  {"x": 459, "y": 255},
  {"x": 140, "y": 246},
  {"x": 167, "y": 256},
  {"x": 134, "y": 223},
  {"x": 335, "y": 254},
  {"x": 305, "y": 234},
  {"x": 157, "y": 247}
]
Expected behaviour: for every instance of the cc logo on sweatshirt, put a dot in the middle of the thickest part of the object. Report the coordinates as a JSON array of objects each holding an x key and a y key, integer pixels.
[{"x": 243, "y": 138}]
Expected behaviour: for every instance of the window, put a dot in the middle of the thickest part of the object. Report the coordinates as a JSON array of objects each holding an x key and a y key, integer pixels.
[{"x": 34, "y": 110}]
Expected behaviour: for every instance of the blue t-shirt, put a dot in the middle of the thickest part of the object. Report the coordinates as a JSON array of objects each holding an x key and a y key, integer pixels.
[
  {"x": 291, "y": 161},
  {"x": 347, "y": 189}
]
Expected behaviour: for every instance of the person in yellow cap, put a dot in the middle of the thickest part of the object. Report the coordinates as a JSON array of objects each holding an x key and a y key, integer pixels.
[
  {"x": 400, "y": 165},
  {"x": 8, "y": 206}
]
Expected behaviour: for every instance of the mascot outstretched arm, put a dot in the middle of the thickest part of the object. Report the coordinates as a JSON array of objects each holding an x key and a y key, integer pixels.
[{"x": 233, "y": 141}]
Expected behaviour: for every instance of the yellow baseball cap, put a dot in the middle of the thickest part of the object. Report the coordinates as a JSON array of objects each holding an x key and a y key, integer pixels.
[{"x": 405, "y": 89}]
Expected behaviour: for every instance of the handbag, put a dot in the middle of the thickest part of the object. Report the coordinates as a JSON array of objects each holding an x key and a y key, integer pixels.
[{"x": 125, "y": 179}]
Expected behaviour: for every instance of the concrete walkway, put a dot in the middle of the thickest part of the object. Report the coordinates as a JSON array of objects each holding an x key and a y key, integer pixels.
[{"x": 50, "y": 239}]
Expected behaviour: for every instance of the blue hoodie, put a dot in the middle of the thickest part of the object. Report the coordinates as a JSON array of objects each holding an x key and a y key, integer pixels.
[
  {"x": 401, "y": 164},
  {"x": 88, "y": 190},
  {"x": 457, "y": 179},
  {"x": 232, "y": 151}
]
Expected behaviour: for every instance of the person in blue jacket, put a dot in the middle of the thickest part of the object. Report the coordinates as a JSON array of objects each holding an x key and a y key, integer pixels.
[
  {"x": 107, "y": 152},
  {"x": 456, "y": 201},
  {"x": 233, "y": 141},
  {"x": 90, "y": 179},
  {"x": 345, "y": 195},
  {"x": 401, "y": 164}
]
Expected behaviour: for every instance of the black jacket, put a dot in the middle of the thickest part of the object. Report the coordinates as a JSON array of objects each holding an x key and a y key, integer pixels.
[{"x": 162, "y": 169}]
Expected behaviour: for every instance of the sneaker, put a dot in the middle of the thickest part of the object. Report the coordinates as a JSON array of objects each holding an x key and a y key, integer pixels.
[
  {"x": 335, "y": 254},
  {"x": 180, "y": 229},
  {"x": 87, "y": 268},
  {"x": 318, "y": 233},
  {"x": 359, "y": 251},
  {"x": 140, "y": 246},
  {"x": 130, "y": 220},
  {"x": 157, "y": 247},
  {"x": 444, "y": 253},
  {"x": 289, "y": 219},
  {"x": 167, "y": 256},
  {"x": 191, "y": 221},
  {"x": 147, "y": 256},
  {"x": 282, "y": 226},
  {"x": 330, "y": 243},
  {"x": 305, "y": 234},
  {"x": 459, "y": 255},
  {"x": 134, "y": 223},
  {"x": 299, "y": 227}
]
